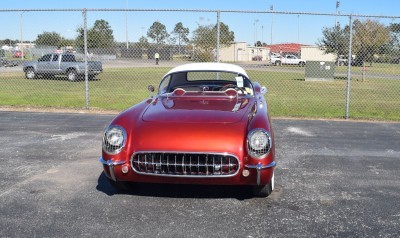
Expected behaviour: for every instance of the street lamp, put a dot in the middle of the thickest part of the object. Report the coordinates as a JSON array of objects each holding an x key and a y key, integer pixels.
[
  {"x": 20, "y": 31},
  {"x": 126, "y": 25},
  {"x": 255, "y": 31},
  {"x": 298, "y": 29},
  {"x": 271, "y": 8},
  {"x": 337, "y": 12}
]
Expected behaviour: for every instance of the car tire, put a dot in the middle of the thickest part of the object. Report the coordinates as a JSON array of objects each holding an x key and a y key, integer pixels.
[
  {"x": 119, "y": 185},
  {"x": 278, "y": 63},
  {"x": 302, "y": 63},
  {"x": 30, "y": 73},
  {"x": 264, "y": 190},
  {"x": 72, "y": 75}
]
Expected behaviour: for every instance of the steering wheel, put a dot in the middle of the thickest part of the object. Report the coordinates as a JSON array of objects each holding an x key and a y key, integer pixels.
[{"x": 231, "y": 85}]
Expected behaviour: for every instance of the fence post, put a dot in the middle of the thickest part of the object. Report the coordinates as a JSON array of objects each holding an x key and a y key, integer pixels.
[
  {"x": 218, "y": 34},
  {"x": 349, "y": 68},
  {"x": 85, "y": 57}
]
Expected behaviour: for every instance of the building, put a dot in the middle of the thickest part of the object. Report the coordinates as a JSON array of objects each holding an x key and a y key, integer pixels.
[
  {"x": 242, "y": 52},
  {"x": 314, "y": 53}
]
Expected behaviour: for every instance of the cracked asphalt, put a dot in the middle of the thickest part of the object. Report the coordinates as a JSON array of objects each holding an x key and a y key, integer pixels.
[{"x": 334, "y": 179}]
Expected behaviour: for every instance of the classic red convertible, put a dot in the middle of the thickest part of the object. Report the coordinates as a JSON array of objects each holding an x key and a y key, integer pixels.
[{"x": 208, "y": 124}]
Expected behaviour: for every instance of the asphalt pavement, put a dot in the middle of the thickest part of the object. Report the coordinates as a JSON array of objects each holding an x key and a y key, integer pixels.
[{"x": 334, "y": 179}]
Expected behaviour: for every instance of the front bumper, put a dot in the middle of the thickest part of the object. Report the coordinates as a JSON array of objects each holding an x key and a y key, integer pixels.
[
  {"x": 258, "y": 167},
  {"x": 110, "y": 163}
]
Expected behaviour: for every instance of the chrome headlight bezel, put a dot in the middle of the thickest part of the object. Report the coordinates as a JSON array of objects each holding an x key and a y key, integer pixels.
[
  {"x": 259, "y": 151},
  {"x": 114, "y": 139}
]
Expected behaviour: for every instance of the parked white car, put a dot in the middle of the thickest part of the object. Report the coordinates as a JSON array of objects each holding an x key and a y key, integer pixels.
[{"x": 287, "y": 59}]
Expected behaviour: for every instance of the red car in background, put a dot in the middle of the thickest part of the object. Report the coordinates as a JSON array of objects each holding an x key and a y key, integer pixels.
[
  {"x": 208, "y": 124},
  {"x": 18, "y": 54}
]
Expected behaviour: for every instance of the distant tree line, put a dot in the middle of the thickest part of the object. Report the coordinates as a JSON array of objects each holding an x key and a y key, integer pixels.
[{"x": 100, "y": 36}]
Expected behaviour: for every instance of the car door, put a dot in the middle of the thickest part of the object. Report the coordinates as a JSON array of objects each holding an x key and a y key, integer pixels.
[
  {"x": 44, "y": 64},
  {"x": 54, "y": 65},
  {"x": 290, "y": 59}
]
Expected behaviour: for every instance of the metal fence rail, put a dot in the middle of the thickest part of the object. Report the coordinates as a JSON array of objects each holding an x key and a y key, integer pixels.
[{"x": 351, "y": 62}]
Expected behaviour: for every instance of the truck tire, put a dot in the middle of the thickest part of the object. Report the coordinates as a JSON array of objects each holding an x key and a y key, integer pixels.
[
  {"x": 278, "y": 63},
  {"x": 30, "y": 73},
  {"x": 72, "y": 75}
]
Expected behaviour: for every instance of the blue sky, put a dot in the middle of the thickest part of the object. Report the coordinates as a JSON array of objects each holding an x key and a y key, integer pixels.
[{"x": 247, "y": 27}]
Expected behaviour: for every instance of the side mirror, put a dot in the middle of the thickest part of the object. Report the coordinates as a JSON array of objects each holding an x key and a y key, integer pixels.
[
  {"x": 264, "y": 90},
  {"x": 151, "y": 88}
]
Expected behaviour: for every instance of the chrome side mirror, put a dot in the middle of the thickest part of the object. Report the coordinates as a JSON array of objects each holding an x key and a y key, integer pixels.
[{"x": 263, "y": 90}]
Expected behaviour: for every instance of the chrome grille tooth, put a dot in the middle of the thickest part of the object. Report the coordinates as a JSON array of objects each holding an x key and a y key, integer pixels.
[
  {"x": 175, "y": 165},
  {"x": 183, "y": 164},
  {"x": 198, "y": 165},
  {"x": 145, "y": 162},
  {"x": 206, "y": 164},
  {"x": 213, "y": 165},
  {"x": 222, "y": 167}
]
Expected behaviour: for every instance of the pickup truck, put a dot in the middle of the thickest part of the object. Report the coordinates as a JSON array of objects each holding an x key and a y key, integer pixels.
[
  {"x": 61, "y": 64},
  {"x": 288, "y": 59}
]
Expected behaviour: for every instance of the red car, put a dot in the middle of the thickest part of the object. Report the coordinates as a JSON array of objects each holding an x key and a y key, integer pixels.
[
  {"x": 18, "y": 54},
  {"x": 208, "y": 124}
]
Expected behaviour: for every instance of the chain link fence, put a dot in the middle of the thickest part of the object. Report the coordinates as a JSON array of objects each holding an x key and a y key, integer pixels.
[{"x": 346, "y": 66}]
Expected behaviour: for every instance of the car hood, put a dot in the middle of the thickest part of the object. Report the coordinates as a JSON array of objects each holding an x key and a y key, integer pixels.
[{"x": 196, "y": 110}]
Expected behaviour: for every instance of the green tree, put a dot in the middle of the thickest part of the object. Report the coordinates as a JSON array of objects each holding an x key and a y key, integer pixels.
[
  {"x": 99, "y": 36},
  {"x": 49, "y": 39},
  {"x": 335, "y": 40},
  {"x": 369, "y": 38},
  {"x": 158, "y": 32},
  {"x": 181, "y": 33},
  {"x": 143, "y": 43},
  {"x": 205, "y": 39}
]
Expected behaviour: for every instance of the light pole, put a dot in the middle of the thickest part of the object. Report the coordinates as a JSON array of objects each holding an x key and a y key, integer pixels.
[
  {"x": 255, "y": 32},
  {"x": 298, "y": 29},
  {"x": 262, "y": 34},
  {"x": 271, "y": 8},
  {"x": 126, "y": 25},
  {"x": 20, "y": 31},
  {"x": 337, "y": 12}
]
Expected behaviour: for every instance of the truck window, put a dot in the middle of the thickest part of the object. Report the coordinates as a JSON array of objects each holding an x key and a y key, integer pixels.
[
  {"x": 45, "y": 58},
  {"x": 68, "y": 58},
  {"x": 55, "y": 58}
]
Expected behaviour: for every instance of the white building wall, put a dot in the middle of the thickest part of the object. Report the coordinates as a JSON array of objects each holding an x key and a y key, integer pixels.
[
  {"x": 314, "y": 53},
  {"x": 241, "y": 52}
]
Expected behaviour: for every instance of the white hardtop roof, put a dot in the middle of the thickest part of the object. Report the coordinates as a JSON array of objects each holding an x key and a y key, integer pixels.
[{"x": 223, "y": 67}]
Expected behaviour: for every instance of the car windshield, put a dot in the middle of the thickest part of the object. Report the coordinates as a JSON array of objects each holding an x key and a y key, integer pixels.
[{"x": 210, "y": 83}]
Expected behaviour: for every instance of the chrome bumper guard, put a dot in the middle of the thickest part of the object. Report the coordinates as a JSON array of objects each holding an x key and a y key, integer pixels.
[
  {"x": 111, "y": 165},
  {"x": 260, "y": 167}
]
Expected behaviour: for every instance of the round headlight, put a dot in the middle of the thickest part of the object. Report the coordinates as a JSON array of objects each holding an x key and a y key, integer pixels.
[
  {"x": 114, "y": 139},
  {"x": 259, "y": 143}
]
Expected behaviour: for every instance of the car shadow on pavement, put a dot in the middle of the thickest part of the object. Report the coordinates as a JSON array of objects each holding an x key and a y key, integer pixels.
[{"x": 176, "y": 190}]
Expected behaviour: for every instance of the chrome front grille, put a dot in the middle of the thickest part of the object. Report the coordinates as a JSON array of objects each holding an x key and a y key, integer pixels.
[{"x": 185, "y": 164}]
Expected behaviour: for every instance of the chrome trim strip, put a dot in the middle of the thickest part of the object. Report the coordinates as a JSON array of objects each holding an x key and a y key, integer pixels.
[
  {"x": 110, "y": 162},
  {"x": 198, "y": 165},
  {"x": 260, "y": 167}
]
